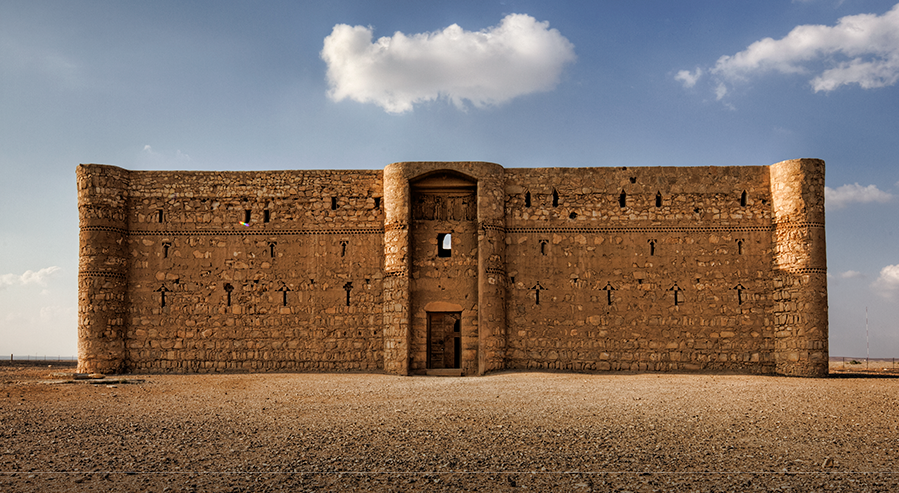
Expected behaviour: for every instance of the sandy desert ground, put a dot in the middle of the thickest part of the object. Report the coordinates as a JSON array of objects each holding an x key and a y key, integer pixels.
[{"x": 502, "y": 432}]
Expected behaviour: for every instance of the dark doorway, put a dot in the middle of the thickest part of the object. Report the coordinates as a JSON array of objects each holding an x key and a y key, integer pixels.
[{"x": 444, "y": 340}]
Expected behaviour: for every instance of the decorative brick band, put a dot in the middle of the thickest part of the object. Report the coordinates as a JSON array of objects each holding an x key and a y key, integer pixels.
[
  {"x": 272, "y": 232},
  {"x": 396, "y": 227},
  {"x": 94, "y": 273},
  {"x": 396, "y": 273},
  {"x": 108, "y": 229},
  {"x": 646, "y": 229},
  {"x": 799, "y": 224}
]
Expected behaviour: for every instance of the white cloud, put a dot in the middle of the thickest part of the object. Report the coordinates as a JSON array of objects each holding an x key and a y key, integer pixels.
[
  {"x": 849, "y": 274},
  {"x": 29, "y": 277},
  {"x": 837, "y": 198},
  {"x": 860, "y": 49},
  {"x": 888, "y": 282},
  {"x": 688, "y": 78},
  {"x": 519, "y": 56}
]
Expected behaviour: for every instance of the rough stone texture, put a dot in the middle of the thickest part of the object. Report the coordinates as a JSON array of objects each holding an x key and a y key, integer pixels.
[
  {"x": 578, "y": 269},
  {"x": 506, "y": 431}
]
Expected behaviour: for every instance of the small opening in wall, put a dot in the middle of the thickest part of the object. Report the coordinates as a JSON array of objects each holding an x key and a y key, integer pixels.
[
  {"x": 633, "y": 179},
  {"x": 697, "y": 210},
  {"x": 512, "y": 279},
  {"x": 573, "y": 215},
  {"x": 247, "y": 215},
  {"x": 622, "y": 199},
  {"x": 159, "y": 215},
  {"x": 652, "y": 247},
  {"x": 343, "y": 245},
  {"x": 266, "y": 215},
  {"x": 739, "y": 288},
  {"x": 527, "y": 199},
  {"x": 739, "y": 247},
  {"x": 165, "y": 250},
  {"x": 445, "y": 245},
  {"x": 377, "y": 203},
  {"x": 333, "y": 203},
  {"x": 543, "y": 246},
  {"x": 555, "y": 198},
  {"x": 608, "y": 289},
  {"x": 537, "y": 288},
  {"x": 271, "y": 250},
  {"x": 659, "y": 199},
  {"x": 228, "y": 289},
  {"x": 348, "y": 287},
  {"x": 743, "y": 199}
]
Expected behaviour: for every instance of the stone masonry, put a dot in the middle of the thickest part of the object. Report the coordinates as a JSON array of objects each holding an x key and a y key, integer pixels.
[{"x": 466, "y": 267}]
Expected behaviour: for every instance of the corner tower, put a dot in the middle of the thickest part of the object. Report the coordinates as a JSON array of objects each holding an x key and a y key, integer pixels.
[
  {"x": 800, "y": 268},
  {"x": 102, "y": 267}
]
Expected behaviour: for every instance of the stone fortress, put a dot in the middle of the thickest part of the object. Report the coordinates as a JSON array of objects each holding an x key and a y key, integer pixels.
[{"x": 454, "y": 268}]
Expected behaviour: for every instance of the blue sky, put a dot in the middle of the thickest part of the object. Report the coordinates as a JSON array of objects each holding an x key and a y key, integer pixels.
[{"x": 246, "y": 86}]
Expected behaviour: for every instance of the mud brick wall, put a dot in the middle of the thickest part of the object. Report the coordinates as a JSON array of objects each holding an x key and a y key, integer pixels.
[{"x": 576, "y": 269}]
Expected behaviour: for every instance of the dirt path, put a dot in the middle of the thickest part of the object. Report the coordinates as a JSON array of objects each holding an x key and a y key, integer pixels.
[{"x": 503, "y": 432}]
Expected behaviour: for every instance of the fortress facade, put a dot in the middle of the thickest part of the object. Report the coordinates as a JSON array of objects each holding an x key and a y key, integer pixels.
[{"x": 454, "y": 267}]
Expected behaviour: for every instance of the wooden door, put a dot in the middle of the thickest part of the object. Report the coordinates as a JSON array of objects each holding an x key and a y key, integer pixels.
[{"x": 444, "y": 340}]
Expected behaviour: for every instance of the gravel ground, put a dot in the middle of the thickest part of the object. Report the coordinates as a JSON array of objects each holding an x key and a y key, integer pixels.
[{"x": 502, "y": 432}]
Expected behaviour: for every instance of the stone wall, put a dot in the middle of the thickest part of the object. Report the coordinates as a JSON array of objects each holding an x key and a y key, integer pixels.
[{"x": 644, "y": 269}]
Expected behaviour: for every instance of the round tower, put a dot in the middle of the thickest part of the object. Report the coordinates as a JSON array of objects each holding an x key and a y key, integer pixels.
[
  {"x": 102, "y": 267},
  {"x": 800, "y": 268}
]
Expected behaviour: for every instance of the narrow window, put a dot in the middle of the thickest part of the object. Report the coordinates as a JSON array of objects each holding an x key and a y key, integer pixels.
[
  {"x": 377, "y": 203},
  {"x": 162, "y": 291},
  {"x": 348, "y": 287},
  {"x": 537, "y": 290},
  {"x": 622, "y": 199},
  {"x": 159, "y": 216},
  {"x": 271, "y": 250},
  {"x": 266, "y": 216},
  {"x": 228, "y": 289},
  {"x": 743, "y": 199},
  {"x": 284, "y": 297},
  {"x": 246, "y": 216},
  {"x": 445, "y": 245},
  {"x": 739, "y": 247},
  {"x": 555, "y": 198},
  {"x": 739, "y": 288},
  {"x": 677, "y": 296},
  {"x": 527, "y": 199},
  {"x": 333, "y": 203},
  {"x": 659, "y": 199},
  {"x": 343, "y": 245},
  {"x": 165, "y": 250},
  {"x": 652, "y": 247},
  {"x": 608, "y": 289},
  {"x": 543, "y": 246}
]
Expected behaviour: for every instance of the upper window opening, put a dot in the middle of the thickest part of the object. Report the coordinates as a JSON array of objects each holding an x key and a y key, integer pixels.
[
  {"x": 622, "y": 199},
  {"x": 659, "y": 199},
  {"x": 266, "y": 216},
  {"x": 159, "y": 215},
  {"x": 333, "y": 203},
  {"x": 247, "y": 214},
  {"x": 555, "y": 198},
  {"x": 378, "y": 203},
  {"x": 527, "y": 199},
  {"x": 743, "y": 199},
  {"x": 445, "y": 245}
]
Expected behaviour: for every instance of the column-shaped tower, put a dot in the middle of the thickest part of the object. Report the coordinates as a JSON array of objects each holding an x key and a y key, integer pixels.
[
  {"x": 800, "y": 268},
  {"x": 102, "y": 267}
]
